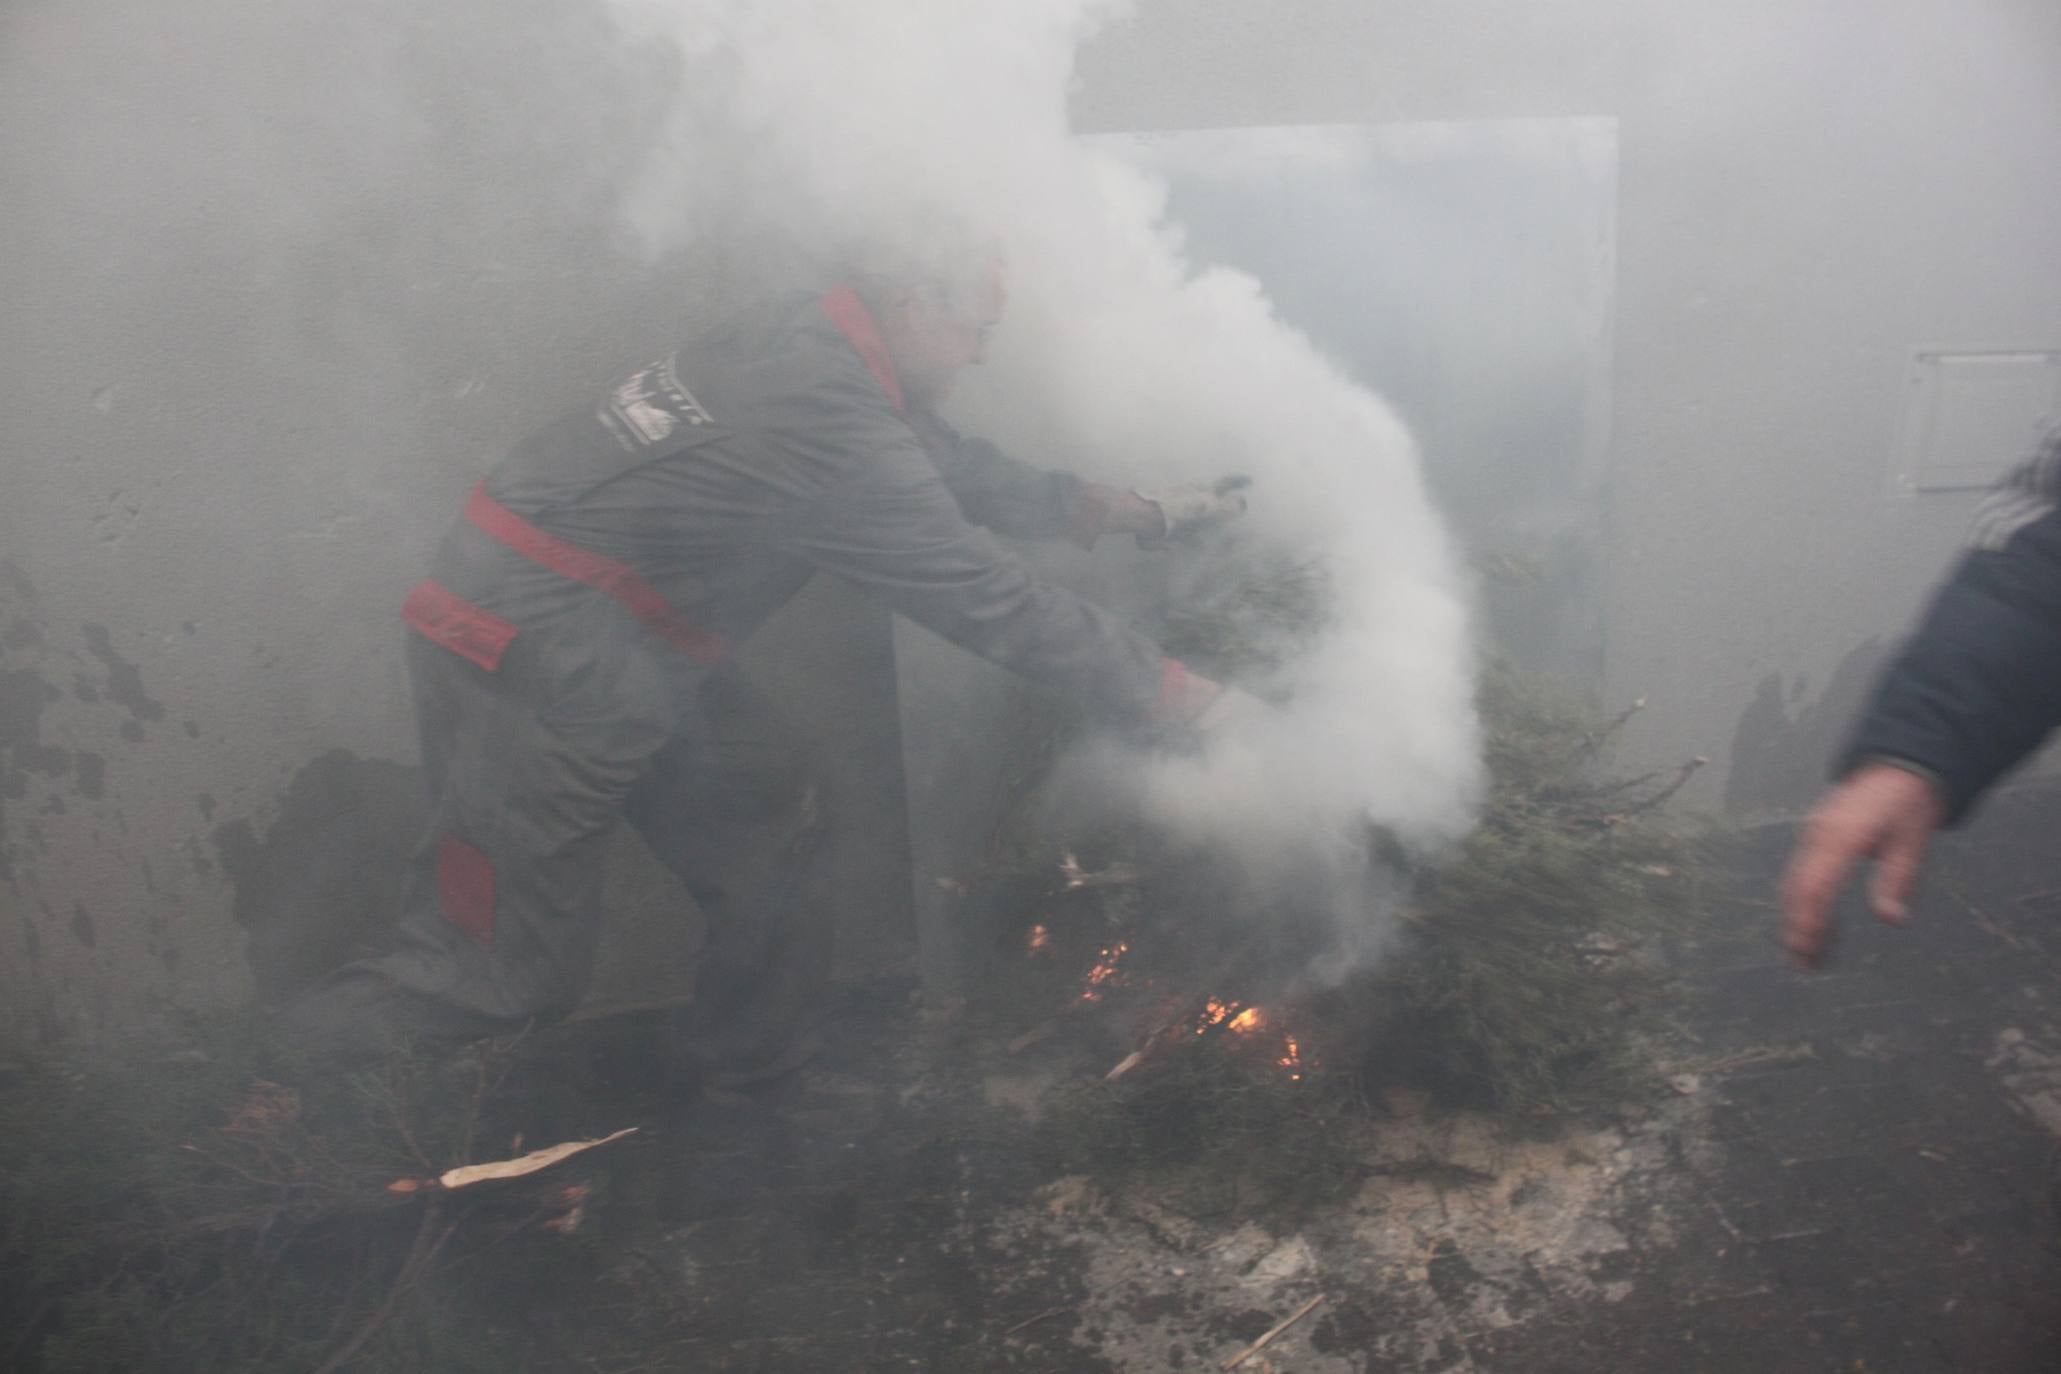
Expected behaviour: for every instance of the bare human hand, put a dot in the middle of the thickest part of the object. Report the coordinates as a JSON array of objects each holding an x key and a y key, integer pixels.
[{"x": 1880, "y": 812}]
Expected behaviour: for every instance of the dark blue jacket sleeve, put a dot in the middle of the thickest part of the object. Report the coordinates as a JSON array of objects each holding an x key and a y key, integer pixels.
[{"x": 1978, "y": 687}]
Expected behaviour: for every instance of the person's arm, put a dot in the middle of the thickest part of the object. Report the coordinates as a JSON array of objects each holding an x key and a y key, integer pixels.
[
  {"x": 1971, "y": 694},
  {"x": 1015, "y": 498},
  {"x": 1018, "y": 499},
  {"x": 893, "y": 527},
  {"x": 1880, "y": 811},
  {"x": 1978, "y": 687}
]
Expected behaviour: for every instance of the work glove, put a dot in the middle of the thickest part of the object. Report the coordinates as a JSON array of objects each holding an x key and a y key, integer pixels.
[{"x": 1185, "y": 510}]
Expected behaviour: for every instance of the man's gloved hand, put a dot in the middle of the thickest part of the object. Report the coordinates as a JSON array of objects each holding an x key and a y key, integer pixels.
[{"x": 1178, "y": 511}]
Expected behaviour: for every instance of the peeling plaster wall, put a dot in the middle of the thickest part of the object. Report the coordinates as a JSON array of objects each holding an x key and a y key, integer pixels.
[
  {"x": 254, "y": 356},
  {"x": 264, "y": 330},
  {"x": 1810, "y": 191}
]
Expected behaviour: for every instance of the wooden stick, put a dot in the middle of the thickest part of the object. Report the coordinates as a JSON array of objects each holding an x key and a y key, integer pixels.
[
  {"x": 1042, "y": 1316},
  {"x": 1045, "y": 1030},
  {"x": 1124, "y": 1066},
  {"x": 525, "y": 1165},
  {"x": 1263, "y": 1342}
]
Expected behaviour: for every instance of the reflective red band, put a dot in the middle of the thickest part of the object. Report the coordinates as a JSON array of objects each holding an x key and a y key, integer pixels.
[
  {"x": 1182, "y": 694},
  {"x": 636, "y": 595},
  {"x": 465, "y": 882},
  {"x": 855, "y": 322},
  {"x": 448, "y": 619}
]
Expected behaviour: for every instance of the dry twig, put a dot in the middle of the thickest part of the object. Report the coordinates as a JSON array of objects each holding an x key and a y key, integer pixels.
[
  {"x": 1263, "y": 1342},
  {"x": 428, "y": 1240},
  {"x": 1687, "y": 771},
  {"x": 1044, "y": 1030},
  {"x": 1033, "y": 1321}
]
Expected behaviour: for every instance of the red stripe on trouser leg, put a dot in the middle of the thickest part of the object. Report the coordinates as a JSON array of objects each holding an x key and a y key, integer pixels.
[{"x": 465, "y": 881}]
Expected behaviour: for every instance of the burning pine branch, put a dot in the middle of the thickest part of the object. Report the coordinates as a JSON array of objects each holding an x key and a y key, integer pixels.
[{"x": 1248, "y": 1024}]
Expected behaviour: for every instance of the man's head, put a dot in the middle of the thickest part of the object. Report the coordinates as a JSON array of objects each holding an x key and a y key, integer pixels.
[{"x": 934, "y": 310}]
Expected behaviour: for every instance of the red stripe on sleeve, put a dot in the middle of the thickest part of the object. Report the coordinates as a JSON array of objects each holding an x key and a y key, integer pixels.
[
  {"x": 447, "y": 618},
  {"x": 856, "y": 323}
]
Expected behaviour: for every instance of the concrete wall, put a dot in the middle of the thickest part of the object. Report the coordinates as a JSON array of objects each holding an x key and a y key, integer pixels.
[{"x": 241, "y": 388}]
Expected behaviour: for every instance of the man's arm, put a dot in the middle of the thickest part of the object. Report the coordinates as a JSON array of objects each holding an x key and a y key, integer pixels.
[
  {"x": 893, "y": 527},
  {"x": 1013, "y": 497},
  {"x": 1973, "y": 692},
  {"x": 1978, "y": 687}
]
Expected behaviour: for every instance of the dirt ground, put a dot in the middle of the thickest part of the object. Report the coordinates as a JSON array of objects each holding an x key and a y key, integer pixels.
[{"x": 1851, "y": 1172}]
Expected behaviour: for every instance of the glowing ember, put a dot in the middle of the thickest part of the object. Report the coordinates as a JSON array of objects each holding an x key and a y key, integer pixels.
[
  {"x": 1291, "y": 1057},
  {"x": 1104, "y": 971},
  {"x": 1040, "y": 939},
  {"x": 1248, "y": 1021},
  {"x": 1215, "y": 1014}
]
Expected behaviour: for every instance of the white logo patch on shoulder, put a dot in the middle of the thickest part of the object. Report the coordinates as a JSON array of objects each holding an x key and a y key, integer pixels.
[{"x": 649, "y": 406}]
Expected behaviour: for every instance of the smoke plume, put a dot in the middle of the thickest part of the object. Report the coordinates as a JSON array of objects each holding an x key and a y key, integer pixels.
[{"x": 819, "y": 120}]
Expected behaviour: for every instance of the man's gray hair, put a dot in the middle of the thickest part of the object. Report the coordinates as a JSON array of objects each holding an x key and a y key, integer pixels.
[{"x": 935, "y": 254}]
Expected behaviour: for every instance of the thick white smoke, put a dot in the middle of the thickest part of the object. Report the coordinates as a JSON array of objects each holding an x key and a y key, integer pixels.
[{"x": 828, "y": 119}]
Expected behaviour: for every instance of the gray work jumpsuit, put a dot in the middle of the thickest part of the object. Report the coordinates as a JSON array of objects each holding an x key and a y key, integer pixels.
[{"x": 567, "y": 655}]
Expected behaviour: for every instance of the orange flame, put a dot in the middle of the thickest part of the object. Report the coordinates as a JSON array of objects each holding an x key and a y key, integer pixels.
[
  {"x": 1247, "y": 1021},
  {"x": 1040, "y": 939},
  {"x": 1104, "y": 971}
]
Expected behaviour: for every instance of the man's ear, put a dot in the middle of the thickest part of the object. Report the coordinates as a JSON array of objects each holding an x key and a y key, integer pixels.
[{"x": 900, "y": 302}]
